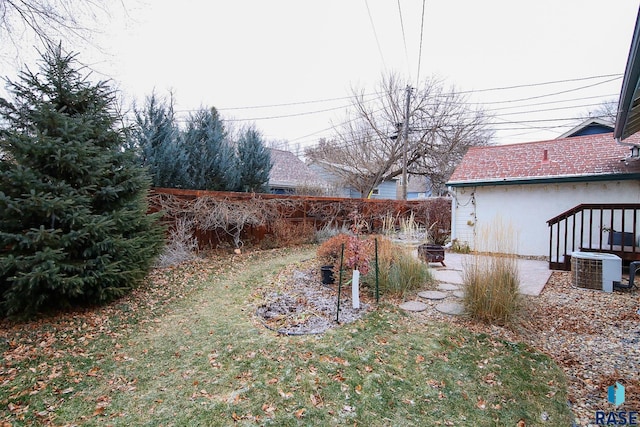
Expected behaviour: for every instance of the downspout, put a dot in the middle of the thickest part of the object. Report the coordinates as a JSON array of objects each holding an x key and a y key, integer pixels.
[
  {"x": 454, "y": 213},
  {"x": 619, "y": 141}
]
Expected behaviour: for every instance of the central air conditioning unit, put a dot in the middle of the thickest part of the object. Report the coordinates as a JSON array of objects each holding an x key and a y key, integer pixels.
[{"x": 594, "y": 270}]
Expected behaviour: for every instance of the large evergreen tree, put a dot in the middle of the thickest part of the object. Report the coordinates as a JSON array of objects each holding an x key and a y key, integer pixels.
[
  {"x": 254, "y": 162},
  {"x": 74, "y": 227},
  {"x": 211, "y": 156},
  {"x": 156, "y": 139}
]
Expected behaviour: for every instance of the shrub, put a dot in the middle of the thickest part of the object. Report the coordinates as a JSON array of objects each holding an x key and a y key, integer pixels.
[
  {"x": 399, "y": 271},
  {"x": 329, "y": 251},
  {"x": 439, "y": 220},
  {"x": 491, "y": 278},
  {"x": 182, "y": 245},
  {"x": 328, "y": 231},
  {"x": 460, "y": 247},
  {"x": 358, "y": 254}
]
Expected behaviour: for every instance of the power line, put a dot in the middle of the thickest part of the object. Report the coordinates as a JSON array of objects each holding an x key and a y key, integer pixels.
[
  {"x": 404, "y": 39},
  {"x": 548, "y": 94},
  {"x": 375, "y": 34},
  {"x": 617, "y": 76},
  {"x": 317, "y": 101},
  {"x": 547, "y": 102},
  {"x": 289, "y": 104},
  {"x": 420, "y": 51}
]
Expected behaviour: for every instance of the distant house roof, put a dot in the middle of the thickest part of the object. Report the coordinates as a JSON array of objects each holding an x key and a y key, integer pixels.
[
  {"x": 628, "y": 120},
  {"x": 288, "y": 171},
  {"x": 581, "y": 158},
  {"x": 589, "y": 127}
]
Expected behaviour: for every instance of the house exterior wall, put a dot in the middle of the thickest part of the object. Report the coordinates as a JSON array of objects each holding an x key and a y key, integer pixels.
[
  {"x": 386, "y": 190},
  {"x": 335, "y": 189},
  {"x": 527, "y": 207}
]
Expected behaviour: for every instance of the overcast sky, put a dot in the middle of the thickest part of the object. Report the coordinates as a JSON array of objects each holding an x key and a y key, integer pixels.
[{"x": 241, "y": 54}]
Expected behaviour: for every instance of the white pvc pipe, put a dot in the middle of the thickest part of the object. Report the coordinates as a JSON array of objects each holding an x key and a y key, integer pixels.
[{"x": 355, "y": 289}]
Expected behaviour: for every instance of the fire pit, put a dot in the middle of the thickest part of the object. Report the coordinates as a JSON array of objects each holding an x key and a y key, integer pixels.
[{"x": 431, "y": 253}]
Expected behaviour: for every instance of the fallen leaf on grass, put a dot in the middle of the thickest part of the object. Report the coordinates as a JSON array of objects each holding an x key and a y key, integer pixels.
[
  {"x": 269, "y": 409},
  {"x": 482, "y": 404},
  {"x": 316, "y": 400},
  {"x": 300, "y": 413},
  {"x": 287, "y": 395}
]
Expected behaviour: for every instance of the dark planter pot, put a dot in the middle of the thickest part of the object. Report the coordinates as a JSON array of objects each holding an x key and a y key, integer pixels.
[
  {"x": 617, "y": 238},
  {"x": 327, "y": 274},
  {"x": 431, "y": 253}
]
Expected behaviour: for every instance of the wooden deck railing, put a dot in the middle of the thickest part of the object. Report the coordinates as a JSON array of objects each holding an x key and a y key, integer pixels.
[{"x": 611, "y": 228}]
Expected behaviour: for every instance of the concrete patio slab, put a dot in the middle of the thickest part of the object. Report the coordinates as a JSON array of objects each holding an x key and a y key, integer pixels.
[{"x": 534, "y": 274}]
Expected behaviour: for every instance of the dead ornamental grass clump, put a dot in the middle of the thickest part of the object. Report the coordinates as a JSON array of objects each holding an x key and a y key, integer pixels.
[
  {"x": 399, "y": 272},
  {"x": 491, "y": 277}
]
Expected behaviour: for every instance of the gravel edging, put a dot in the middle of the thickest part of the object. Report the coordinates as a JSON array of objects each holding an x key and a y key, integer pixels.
[{"x": 592, "y": 335}]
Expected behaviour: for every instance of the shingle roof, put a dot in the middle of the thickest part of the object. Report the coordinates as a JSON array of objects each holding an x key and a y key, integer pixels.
[
  {"x": 596, "y": 156},
  {"x": 289, "y": 171}
]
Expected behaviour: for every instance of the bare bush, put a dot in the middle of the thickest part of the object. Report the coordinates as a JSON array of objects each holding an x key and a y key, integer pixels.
[{"x": 182, "y": 245}]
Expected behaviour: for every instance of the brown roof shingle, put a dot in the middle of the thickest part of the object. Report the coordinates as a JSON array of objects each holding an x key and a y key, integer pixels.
[
  {"x": 581, "y": 156},
  {"x": 289, "y": 171}
]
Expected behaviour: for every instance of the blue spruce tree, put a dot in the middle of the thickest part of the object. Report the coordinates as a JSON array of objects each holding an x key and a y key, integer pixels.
[
  {"x": 253, "y": 162},
  {"x": 211, "y": 157},
  {"x": 156, "y": 139},
  {"x": 74, "y": 227}
]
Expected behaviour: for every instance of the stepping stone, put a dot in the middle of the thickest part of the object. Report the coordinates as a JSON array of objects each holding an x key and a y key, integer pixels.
[
  {"x": 448, "y": 287},
  {"x": 452, "y": 308},
  {"x": 458, "y": 294},
  {"x": 413, "y": 306},
  {"x": 432, "y": 295},
  {"x": 448, "y": 276}
]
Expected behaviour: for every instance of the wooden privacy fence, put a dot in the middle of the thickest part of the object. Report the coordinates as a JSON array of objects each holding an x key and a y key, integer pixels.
[{"x": 223, "y": 218}]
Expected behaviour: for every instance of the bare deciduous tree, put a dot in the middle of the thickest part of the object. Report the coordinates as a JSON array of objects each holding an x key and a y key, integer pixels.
[
  {"x": 368, "y": 148},
  {"x": 49, "y": 21},
  {"x": 606, "y": 110}
]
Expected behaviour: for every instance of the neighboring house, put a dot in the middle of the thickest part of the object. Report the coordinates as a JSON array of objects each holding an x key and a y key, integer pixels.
[
  {"x": 290, "y": 175},
  {"x": 589, "y": 127},
  {"x": 528, "y": 184},
  {"x": 418, "y": 187},
  {"x": 386, "y": 189}
]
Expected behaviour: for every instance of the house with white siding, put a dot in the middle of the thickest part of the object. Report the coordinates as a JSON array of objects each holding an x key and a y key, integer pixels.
[{"x": 530, "y": 184}]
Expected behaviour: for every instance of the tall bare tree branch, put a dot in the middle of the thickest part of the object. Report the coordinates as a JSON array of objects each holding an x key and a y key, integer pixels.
[
  {"x": 368, "y": 148},
  {"x": 49, "y": 21}
]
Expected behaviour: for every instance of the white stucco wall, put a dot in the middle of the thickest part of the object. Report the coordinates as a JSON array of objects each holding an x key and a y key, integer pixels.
[{"x": 527, "y": 207}]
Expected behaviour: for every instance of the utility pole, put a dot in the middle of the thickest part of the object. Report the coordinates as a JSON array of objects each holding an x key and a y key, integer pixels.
[{"x": 405, "y": 144}]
